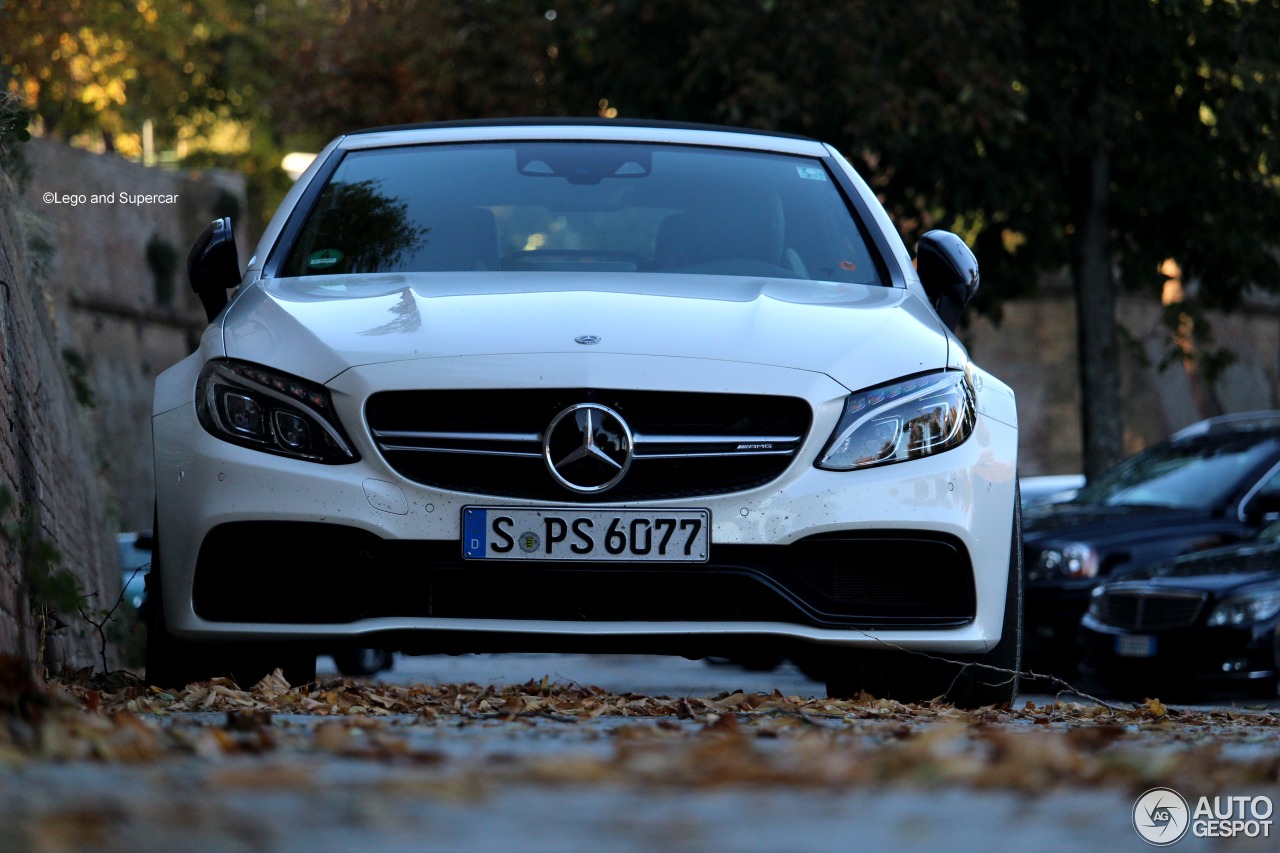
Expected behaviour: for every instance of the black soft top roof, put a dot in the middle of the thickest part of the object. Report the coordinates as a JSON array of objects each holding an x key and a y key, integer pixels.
[{"x": 585, "y": 121}]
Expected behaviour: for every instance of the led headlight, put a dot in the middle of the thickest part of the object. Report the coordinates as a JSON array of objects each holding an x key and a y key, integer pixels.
[
  {"x": 269, "y": 411},
  {"x": 905, "y": 420},
  {"x": 1244, "y": 609}
]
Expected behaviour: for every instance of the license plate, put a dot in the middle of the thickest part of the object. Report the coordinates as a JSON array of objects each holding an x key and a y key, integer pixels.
[
  {"x": 623, "y": 535},
  {"x": 1136, "y": 646}
]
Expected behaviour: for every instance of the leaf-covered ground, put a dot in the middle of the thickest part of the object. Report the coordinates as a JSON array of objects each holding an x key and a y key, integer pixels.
[{"x": 586, "y": 735}]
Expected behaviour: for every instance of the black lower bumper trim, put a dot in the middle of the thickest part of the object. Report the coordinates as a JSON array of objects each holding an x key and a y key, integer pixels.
[{"x": 303, "y": 573}]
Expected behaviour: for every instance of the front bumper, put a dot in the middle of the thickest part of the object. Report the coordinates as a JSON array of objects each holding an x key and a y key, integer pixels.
[
  {"x": 210, "y": 494},
  {"x": 1198, "y": 654}
]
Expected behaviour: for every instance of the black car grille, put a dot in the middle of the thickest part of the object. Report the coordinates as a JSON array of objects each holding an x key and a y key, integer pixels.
[
  {"x": 490, "y": 442},
  {"x": 306, "y": 573},
  {"x": 1151, "y": 610}
]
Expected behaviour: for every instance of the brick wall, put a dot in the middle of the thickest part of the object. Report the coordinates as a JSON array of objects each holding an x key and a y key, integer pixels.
[
  {"x": 48, "y": 458},
  {"x": 83, "y": 471}
]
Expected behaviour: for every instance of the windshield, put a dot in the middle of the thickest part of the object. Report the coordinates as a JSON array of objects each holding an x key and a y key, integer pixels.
[
  {"x": 578, "y": 206},
  {"x": 1194, "y": 474}
]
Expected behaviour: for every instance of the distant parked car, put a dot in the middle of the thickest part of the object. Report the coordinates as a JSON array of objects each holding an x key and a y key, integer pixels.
[
  {"x": 1049, "y": 489},
  {"x": 363, "y": 661},
  {"x": 135, "y": 559},
  {"x": 1211, "y": 618},
  {"x": 1212, "y": 484}
]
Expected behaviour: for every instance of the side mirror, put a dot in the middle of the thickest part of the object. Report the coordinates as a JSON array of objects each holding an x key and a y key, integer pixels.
[
  {"x": 213, "y": 265},
  {"x": 949, "y": 273},
  {"x": 1263, "y": 508}
]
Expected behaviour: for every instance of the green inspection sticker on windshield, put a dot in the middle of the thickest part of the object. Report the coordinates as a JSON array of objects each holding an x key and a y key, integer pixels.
[
  {"x": 324, "y": 258},
  {"x": 811, "y": 173}
]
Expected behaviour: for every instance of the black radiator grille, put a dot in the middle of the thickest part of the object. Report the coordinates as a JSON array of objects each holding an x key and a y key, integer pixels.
[
  {"x": 1149, "y": 610},
  {"x": 490, "y": 442}
]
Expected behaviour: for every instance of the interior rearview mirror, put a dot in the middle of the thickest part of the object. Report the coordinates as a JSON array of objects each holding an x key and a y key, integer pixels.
[
  {"x": 949, "y": 272},
  {"x": 213, "y": 265}
]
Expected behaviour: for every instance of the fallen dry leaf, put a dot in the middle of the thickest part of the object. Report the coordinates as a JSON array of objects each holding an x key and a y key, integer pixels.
[{"x": 734, "y": 738}]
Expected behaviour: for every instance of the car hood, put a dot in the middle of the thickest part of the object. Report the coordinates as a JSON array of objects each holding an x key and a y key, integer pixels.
[
  {"x": 1219, "y": 570},
  {"x": 1094, "y": 522},
  {"x": 316, "y": 327}
]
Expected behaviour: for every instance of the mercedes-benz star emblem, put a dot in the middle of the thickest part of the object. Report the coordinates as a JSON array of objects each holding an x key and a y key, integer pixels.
[
  {"x": 587, "y": 448},
  {"x": 587, "y": 340}
]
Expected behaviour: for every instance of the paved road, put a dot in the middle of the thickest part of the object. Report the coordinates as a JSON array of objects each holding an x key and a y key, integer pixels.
[
  {"x": 542, "y": 784},
  {"x": 655, "y": 675},
  {"x": 318, "y": 806},
  {"x": 650, "y": 675}
]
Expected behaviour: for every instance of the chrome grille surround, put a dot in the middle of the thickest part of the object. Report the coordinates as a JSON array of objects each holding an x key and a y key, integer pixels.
[{"x": 494, "y": 442}]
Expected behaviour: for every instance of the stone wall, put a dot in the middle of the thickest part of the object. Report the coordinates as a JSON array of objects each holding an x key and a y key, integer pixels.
[
  {"x": 1033, "y": 348},
  {"x": 48, "y": 463},
  {"x": 79, "y": 351},
  {"x": 127, "y": 321}
]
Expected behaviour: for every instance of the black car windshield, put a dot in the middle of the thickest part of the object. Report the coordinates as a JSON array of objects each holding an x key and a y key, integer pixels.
[
  {"x": 581, "y": 206},
  {"x": 1198, "y": 473}
]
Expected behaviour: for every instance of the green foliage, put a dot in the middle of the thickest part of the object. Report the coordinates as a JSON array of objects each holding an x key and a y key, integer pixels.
[
  {"x": 162, "y": 260},
  {"x": 78, "y": 372},
  {"x": 54, "y": 591},
  {"x": 37, "y": 236},
  {"x": 14, "y": 123},
  {"x": 226, "y": 204},
  {"x": 1183, "y": 98},
  {"x": 1157, "y": 142},
  {"x": 370, "y": 62},
  {"x": 103, "y": 68},
  {"x": 49, "y": 583},
  {"x": 1192, "y": 342}
]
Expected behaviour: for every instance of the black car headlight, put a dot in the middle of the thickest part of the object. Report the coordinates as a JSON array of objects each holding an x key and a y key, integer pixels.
[
  {"x": 904, "y": 420},
  {"x": 272, "y": 412},
  {"x": 1246, "y": 608},
  {"x": 1096, "y": 607},
  {"x": 1069, "y": 560}
]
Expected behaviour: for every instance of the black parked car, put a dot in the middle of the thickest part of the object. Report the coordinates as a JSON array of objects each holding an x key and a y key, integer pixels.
[
  {"x": 1212, "y": 484},
  {"x": 1211, "y": 618}
]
